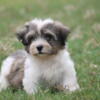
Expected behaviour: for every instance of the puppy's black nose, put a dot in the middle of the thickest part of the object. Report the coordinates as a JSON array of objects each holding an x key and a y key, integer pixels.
[{"x": 39, "y": 48}]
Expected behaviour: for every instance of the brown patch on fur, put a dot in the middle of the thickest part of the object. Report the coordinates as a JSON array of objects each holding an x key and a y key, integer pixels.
[
  {"x": 59, "y": 33},
  {"x": 17, "y": 73},
  {"x": 24, "y": 32},
  {"x": 59, "y": 30}
]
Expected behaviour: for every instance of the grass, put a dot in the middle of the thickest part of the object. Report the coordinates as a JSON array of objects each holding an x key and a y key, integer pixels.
[{"x": 82, "y": 16}]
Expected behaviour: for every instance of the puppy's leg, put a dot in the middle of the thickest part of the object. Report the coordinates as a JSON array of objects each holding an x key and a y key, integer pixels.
[
  {"x": 3, "y": 83},
  {"x": 70, "y": 80},
  {"x": 30, "y": 80},
  {"x": 5, "y": 70}
]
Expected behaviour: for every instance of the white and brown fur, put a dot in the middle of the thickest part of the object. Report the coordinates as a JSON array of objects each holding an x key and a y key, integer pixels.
[{"x": 45, "y": 60}]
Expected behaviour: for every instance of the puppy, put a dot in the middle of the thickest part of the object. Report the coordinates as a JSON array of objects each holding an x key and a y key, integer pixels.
[{"x": 44, "y": 62}]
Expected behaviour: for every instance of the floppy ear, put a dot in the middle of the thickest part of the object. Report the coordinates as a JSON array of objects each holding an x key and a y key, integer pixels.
[
  {"x": 21, "y": 33},
  {"x": 62, "y": 32}
]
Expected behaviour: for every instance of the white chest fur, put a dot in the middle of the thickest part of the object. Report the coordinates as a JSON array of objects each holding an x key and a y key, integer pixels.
[
  {"x": 58, "y": 70},
  {"x": 50, "y": 70}
]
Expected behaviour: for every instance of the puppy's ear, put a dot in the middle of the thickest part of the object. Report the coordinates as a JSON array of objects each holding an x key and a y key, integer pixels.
[
  {"x": 21, "y": 33},
  {"x": 62, "y": 32}
]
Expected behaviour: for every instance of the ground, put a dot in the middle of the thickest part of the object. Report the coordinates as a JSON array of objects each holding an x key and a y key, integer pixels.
[{"x": 83, "y": 18}]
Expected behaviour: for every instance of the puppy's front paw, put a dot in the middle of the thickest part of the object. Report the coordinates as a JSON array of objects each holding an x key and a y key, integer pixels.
[
  {"x": 31, "y": 90},
  {"x": 29, "y": 87},
  {"x": 71, "y": 87}
]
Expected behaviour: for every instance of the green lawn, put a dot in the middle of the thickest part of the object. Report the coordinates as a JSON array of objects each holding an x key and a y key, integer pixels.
[{"x": 82, "y": 16}]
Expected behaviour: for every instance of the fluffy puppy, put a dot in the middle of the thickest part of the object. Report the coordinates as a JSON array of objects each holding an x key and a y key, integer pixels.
[{"x": 44, "y": 62}]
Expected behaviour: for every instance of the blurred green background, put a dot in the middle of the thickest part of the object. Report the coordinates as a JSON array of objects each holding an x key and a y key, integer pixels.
[{"x": 83, "y": 18}]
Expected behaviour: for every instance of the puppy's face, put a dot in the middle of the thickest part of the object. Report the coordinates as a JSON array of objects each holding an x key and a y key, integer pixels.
[{"x": 43, "y": 37}]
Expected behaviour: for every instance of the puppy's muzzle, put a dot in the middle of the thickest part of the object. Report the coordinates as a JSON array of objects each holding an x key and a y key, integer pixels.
[{"x": 40, "y": 47}]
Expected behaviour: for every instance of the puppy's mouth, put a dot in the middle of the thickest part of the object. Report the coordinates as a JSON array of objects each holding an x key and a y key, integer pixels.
[{"x": 43, "y": 54}]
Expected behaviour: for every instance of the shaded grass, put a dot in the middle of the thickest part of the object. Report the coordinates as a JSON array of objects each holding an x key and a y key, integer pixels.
[{"x": 82, "y": 17}]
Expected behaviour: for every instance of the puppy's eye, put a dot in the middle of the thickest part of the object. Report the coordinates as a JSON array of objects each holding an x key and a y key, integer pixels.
[
  {"x": 48, "y": 37},
  {"x": 30, "y": 39}
]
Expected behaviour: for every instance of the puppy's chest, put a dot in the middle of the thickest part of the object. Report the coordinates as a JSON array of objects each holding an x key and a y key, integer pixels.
[{"x": 52, "y": 73}]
